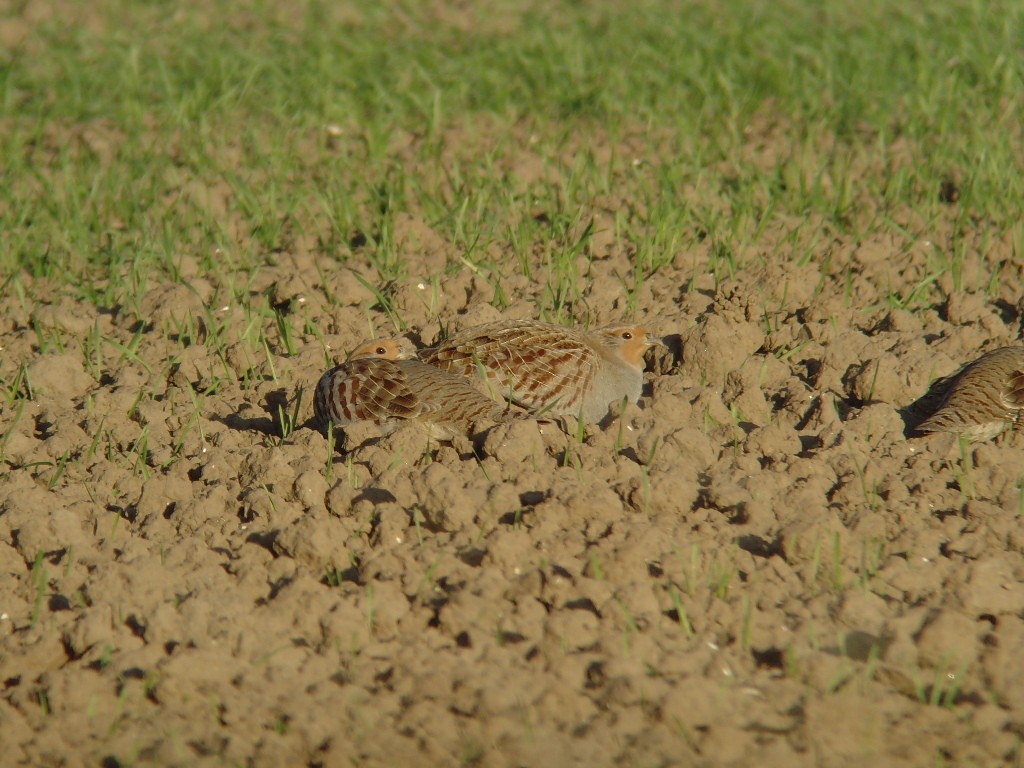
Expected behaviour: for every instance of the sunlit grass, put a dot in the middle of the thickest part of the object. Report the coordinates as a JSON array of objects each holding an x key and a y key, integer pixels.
[{"x": 229, "y": 142}]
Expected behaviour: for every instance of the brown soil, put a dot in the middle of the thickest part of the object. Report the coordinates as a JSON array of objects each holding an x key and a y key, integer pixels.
[{"x": 755, "y": 560}]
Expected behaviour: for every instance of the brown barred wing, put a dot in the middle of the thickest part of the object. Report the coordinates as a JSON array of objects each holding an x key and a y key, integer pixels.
[
  {"x": 539, "y": 366},
  {"x": 387, "y": 391}
]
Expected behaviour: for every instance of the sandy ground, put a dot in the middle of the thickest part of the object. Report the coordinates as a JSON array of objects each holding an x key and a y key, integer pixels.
[{"x": 755, "y": 560}]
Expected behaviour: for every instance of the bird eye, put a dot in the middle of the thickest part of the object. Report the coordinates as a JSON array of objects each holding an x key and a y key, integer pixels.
[
  {"x": 382, "y": 350},
  {"x": 627, "y": 335}
]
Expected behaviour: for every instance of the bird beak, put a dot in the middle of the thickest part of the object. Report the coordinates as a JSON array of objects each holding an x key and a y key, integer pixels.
[{"x": 656, "y": 341}]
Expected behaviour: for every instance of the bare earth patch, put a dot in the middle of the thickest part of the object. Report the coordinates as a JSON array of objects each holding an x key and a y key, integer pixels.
[{"x": 756, "y": 560}]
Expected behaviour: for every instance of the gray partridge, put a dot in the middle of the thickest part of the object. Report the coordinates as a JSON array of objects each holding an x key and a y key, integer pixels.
[
  {"x": 549, "y": 369},
  {"x": 376, "y": 385},
  {"x": 982, "y": 398}
]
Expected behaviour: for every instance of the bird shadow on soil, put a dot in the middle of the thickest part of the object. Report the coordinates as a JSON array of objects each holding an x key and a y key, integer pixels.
[
  {"x": 276, "y": 406},
  {"x": 913, "y": 414},
  {"x": 264, "y": 425}
]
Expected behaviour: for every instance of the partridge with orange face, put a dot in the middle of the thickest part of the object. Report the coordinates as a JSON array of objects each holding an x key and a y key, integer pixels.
[
  {"x": 396, "y": 348},
  {"x": 549, "y": 369},
  {"x": 379, "y": 384},
  {"x": 982, "y": 398}
]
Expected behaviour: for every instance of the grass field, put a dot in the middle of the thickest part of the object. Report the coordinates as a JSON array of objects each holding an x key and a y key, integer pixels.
[
  {"x": 203, "y": 203},
  {"x": 139, "y": 136}
]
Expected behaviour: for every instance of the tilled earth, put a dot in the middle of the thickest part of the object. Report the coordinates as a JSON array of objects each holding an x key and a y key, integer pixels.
[{"x": 757, "y": 559}]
